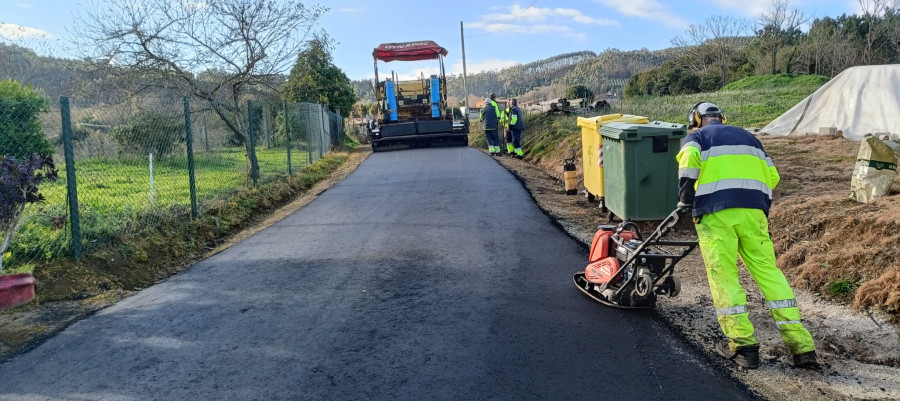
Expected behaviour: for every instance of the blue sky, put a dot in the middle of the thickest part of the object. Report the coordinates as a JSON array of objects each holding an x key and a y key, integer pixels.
[{"x": 498, "y": 33}]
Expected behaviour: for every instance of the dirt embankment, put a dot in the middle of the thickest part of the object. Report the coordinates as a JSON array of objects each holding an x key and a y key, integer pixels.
[{"x": 832, "y": 250}]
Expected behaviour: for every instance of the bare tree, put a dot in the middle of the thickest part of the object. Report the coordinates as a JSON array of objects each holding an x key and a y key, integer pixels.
[
  {"x": 777, "y": 25},
  {"x": 880, "y": 31},
  {"x": 168, "y": 43},
  {"x": 717, "y": 41}
]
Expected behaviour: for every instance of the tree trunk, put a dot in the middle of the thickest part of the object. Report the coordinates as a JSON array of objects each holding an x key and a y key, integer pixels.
[
  {"x": 774, "y": 58},
  {"x": 244, "y": 136}
]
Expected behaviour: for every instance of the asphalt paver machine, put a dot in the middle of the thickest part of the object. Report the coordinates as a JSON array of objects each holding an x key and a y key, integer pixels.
[{"x": 414, "y": 113}]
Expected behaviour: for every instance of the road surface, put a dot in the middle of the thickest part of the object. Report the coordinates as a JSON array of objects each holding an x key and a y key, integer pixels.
[{"x": 425, "y": 274}]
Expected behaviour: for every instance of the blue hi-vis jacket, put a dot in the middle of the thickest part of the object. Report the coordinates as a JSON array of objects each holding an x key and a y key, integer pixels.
[
  {"x": 490, "y": 115},
  {"x": 721, "y": 167},
  {"x": 516, "y": 120}
]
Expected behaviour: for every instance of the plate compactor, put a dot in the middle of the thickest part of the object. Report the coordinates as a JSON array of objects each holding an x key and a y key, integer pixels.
[{"x": 626, "y": 270}]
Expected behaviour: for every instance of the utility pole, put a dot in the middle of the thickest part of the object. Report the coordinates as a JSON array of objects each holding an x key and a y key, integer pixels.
[{"x": 462, "y": 38}]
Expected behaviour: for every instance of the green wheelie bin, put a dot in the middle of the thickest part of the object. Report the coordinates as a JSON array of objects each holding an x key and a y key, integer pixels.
[{"x": 641, "y": 173}]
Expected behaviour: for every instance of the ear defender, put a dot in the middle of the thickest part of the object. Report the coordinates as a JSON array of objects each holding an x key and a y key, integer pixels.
[{"x": 694, "y": 117}]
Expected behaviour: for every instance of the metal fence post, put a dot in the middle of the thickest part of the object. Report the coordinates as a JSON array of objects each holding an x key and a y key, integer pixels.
[
  {"x": 189, "y": 139},
  {"x": 254, "y": 166},
  {"x": 287, "y": 137},
  {"x": 71, "y": 186},
  {"x": 324, "y": 116}
]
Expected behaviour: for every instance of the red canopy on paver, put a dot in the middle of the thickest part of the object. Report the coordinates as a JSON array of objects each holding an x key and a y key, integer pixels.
[{"x": 409, "y": 51}]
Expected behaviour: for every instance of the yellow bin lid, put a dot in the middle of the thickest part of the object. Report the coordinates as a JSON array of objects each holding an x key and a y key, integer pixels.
[{"x": 595, "y": 123}]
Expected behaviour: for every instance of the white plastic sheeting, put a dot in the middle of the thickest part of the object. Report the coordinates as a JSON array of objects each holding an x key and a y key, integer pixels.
[{"x": 859, "y": 101}]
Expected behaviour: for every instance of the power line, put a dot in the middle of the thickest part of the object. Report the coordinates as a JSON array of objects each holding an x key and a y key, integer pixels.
[{"x": 505, "y": 23}]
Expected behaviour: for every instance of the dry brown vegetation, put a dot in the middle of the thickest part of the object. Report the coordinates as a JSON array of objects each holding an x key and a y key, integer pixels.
[{"x": 825, "y": 242}]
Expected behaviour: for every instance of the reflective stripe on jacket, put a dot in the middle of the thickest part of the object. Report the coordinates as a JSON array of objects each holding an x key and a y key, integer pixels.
[
  {"x": 516, "y": 120},
  {"x": 721, "y": 167}
]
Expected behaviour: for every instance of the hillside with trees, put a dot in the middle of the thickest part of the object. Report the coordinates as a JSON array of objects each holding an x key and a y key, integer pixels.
[
  {"x": 706, "y": 57},
  {"x": 722, "y": 50}
]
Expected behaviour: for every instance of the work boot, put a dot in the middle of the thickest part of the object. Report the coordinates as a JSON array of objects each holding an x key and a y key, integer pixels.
[
  {"x": 805, "y": 360},
  {"x": 746, "y": 357}
]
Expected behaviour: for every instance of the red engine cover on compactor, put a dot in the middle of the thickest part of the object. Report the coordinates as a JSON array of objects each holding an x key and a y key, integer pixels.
[
  {"x": 601, "y": 246},
  {"x": 602, "y": 271},
  {"x": 603, "y": 263}
]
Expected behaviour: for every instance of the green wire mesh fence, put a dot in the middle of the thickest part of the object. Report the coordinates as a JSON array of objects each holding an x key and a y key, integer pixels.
[{"x": 137, "y": 162}]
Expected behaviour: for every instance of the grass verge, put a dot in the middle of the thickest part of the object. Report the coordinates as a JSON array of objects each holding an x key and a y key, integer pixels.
[{"x": 151, "y": 252}]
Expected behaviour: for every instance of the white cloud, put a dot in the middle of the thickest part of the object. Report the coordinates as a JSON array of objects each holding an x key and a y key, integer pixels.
[
  {"x": 561, "y": 30},
  {"x": 537, "y": 14},
  {"x": 15, "y": 32},
  {"x": 749, "y": 8},
  {"x": 351, "y": 10},
  {"x": 649, "y": 9},
  {"x": 536, "y": 20}
]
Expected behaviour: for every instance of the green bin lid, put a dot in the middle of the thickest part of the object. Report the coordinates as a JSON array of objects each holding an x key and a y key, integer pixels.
[{"x": 636, "y": 132}]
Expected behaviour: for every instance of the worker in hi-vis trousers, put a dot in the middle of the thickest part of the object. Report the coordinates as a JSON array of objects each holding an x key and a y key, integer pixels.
[
  {"x": 726, "y": 178},
  {"x": 504, "y": 126},
  {"x": 516, "y": 126},
  {"x": 490, "y": 115}
]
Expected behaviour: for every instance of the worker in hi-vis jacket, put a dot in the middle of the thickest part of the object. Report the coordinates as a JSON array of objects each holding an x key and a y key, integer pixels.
[
  {"x": 516, "y": 126},
  {"x": 490, "y": 115},
  {"x": 726, "y": 179}
]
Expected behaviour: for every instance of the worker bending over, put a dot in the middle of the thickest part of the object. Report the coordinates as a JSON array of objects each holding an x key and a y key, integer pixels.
[{"x": 727, "y": 178}]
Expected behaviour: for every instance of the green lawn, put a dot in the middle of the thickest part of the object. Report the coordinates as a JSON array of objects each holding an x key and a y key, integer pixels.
[
  {"x": 114, "y": 196},
  {"x": 751, "y": 108},
  {"x": 751, "y": 102}
]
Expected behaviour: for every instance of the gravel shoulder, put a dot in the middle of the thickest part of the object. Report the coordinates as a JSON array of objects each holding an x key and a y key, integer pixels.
[{"x": 849, "y": 344}]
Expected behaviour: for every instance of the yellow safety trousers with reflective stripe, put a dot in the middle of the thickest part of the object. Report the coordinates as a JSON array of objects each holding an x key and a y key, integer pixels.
[{"x": 723, "y": 236}]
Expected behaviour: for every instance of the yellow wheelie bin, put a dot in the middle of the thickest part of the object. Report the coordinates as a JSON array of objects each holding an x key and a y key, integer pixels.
[{"x": 592, "y": 150}]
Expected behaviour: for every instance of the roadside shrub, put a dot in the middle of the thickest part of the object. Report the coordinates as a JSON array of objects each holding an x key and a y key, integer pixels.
[
  {"x": 19, "y": 183},
  {"x": 21, "y": 134},
  {"x": 150, "y": 132}
]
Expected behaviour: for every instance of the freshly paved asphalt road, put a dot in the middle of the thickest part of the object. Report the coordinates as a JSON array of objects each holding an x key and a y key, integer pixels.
[{"x": 426, "y": 274}]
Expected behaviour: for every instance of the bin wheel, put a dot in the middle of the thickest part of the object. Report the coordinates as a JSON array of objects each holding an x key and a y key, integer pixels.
[
  {"x": 610, "y": 216},
  {"x": 591, "y": 197}
]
